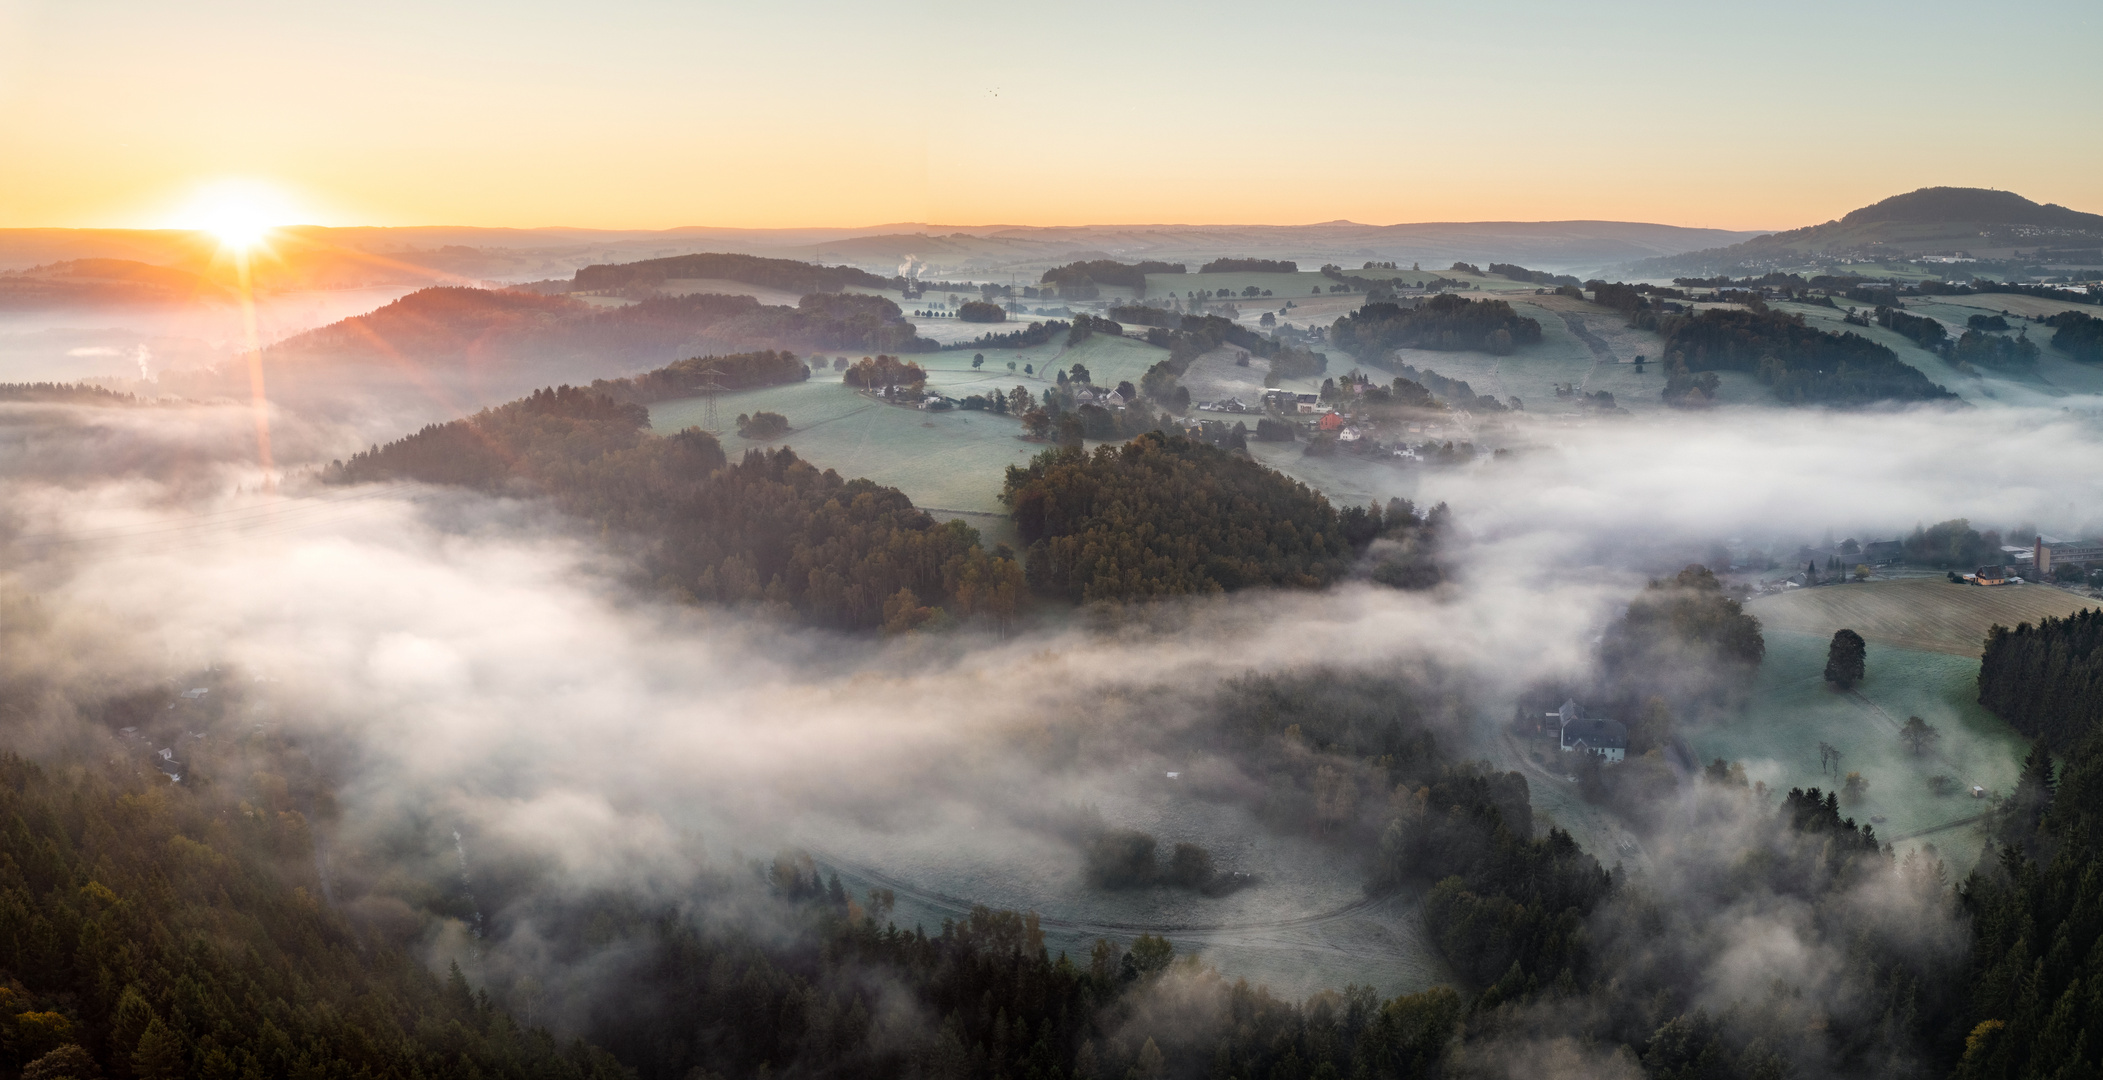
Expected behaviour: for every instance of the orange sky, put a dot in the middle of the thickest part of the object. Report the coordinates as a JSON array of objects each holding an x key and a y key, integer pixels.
[{"x": 651, "y": 115}]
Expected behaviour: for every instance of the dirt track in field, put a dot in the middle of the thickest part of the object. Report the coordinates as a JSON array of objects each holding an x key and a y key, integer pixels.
[{"x": 1915, "y": 613}]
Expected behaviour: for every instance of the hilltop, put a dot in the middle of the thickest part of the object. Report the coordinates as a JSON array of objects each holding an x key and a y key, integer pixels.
[{"x": 1950, "y": 221}]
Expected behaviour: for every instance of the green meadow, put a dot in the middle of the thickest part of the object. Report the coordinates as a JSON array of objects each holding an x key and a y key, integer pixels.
[{"x": 1793, "y": 709}]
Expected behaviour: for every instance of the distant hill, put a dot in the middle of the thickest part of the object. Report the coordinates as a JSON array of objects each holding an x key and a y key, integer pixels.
[
  {"x": 786, "y": 274},
  {"x": 451, "y": 328},
  {"x": 311, "y": 256},
  {"x": 1930, "y": 220},
  {"x": 104, "y": 283},
  {"x": 1948, "y": 205}
]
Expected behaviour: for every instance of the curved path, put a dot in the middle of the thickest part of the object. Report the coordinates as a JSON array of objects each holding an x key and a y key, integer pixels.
[
  {"x": 960, "y": 906},
  {"x": 1601, "y": 352}
]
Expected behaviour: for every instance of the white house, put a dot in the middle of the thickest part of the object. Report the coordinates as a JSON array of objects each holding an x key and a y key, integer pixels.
[{"x": 1591, "y": 735}]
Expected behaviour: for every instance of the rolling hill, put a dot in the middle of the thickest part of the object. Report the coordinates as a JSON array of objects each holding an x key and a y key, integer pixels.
[
  {"x": 1935, "y": 220},
  {"x": 453, "y": 327}
]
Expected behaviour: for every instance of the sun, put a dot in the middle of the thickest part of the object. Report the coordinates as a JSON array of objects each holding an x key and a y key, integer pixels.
[
  {"x": 240, "y": 214},
  {"x": 238, "y": 228}
]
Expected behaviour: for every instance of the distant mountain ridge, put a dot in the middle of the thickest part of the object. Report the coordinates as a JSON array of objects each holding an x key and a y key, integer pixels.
[{"x": 325, "y": 257}]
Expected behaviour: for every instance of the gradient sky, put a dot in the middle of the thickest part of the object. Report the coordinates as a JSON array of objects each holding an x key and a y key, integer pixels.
[{"x": 635, "y": 114}]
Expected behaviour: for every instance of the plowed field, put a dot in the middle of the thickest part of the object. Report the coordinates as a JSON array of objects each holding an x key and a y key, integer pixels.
[{"x": 1915, "y": 613}]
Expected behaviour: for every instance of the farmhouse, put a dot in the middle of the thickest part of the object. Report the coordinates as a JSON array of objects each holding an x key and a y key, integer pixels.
[
  {"x": 1990, "y": 575},
  {"x": 1578, "y": 733}
]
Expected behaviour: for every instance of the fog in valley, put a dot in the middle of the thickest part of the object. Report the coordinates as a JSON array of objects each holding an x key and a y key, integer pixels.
[{"x": 512, "y": 731}]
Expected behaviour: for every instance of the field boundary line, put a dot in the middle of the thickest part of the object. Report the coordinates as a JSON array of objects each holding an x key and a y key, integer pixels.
[{"x": 1944, "y": 827}]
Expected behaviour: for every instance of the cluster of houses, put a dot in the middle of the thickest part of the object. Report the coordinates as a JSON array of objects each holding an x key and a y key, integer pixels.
[{"x": 2039, "y": 561}]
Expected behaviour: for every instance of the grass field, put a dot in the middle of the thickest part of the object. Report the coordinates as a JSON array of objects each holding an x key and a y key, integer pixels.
[
  {"x": 1565, "y": 356},
  {"x": 1793, "y": 710},
  {"x": 2055, "y": 378},
  {"x": 1929, "y": 614},
  {"x": 946, "y": 461}
]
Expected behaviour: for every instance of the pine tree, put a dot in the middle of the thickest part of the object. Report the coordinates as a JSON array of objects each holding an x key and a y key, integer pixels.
[{"x": 159, "y": 1055}]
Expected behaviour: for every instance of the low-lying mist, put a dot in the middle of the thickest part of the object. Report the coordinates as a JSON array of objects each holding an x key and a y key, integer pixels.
[{"x": 495, "y": 702}]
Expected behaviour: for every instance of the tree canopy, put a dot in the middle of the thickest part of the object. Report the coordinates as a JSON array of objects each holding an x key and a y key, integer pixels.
[
  {"x": 1801, "y": 364},
  {"x": 1845, "y": 659},
  {"x": 787, "y": 275},
  {"x": 1166, "y": 515},
  {"x": 1444, "y": 321},
  {"x": 770, "y": 531}
]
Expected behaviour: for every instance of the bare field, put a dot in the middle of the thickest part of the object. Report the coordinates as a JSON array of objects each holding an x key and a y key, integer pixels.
[{"x": 1915, "y": 613}]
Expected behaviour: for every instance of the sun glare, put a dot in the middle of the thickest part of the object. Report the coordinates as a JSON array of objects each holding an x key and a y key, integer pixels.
[{"x": 240, "y": 214}]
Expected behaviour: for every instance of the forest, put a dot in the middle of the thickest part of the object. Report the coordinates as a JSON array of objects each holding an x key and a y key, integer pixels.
[
  {"x": 882, "y": 372},
  {"x": 69, "y": 393},
  {"x": 1108, "y": 272},
  {"x": 2046, "y": 680},
  {"x": 787, "y": 275},
  {"x": 1166, "y": 515},
  {"x": 1801, "y": 364},
  {"x": 1455, "y": 392},
  {"x": 1445, "y": 322},
  {"x": 2077, "y": 334},
  {"x": 1036, "y": 333},
  {"x": 1995, "y": 350},
  {"x": 1924, "y": 332},
  {"x": 1948, "y": 544},
  {"x": 769, "y": 531},
  {"x": 450, "y": 326},
  {"x": 1533, "y": 277},
  {"x": 2036, "y": 973},
  {"x": 153, "y": 932},
  {"x": 686, "y": 378},
  {"x": 1249, "y": 266}
]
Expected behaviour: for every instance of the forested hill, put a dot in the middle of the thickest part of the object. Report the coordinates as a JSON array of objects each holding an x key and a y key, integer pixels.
[
  {"x": 785, "y": 274},
  {"x": 1929, "y": 219},
  {"x": 1802, "y": 364},
  {"x": 771, "y": 530},
  {"x": 454, "y": 327},
  {"x": 1954, "y": 205},
  {"x": 152, "y": 931},
  {"x": 1164, "y": 515},
  {"x": 1445, "y": 321}
]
